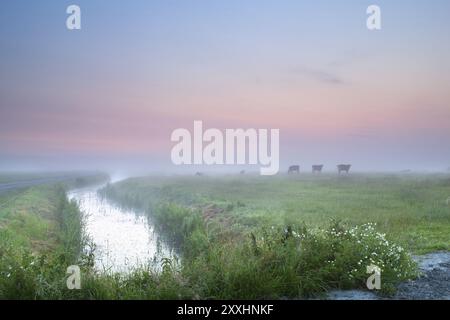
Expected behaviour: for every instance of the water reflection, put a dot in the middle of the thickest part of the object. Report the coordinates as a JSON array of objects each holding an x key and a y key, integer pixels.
[{"x": 123, "y": 239}]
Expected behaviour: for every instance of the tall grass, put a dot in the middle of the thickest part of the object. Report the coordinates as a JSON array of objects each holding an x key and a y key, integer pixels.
[
  {"x": 276, "y": 262},
  {"x": 27, "y": 273},
  {"x": 225, "y": 253}
]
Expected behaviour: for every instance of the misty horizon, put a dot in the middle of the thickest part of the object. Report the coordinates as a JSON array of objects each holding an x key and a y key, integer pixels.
[{"x": 109, "y": 96}]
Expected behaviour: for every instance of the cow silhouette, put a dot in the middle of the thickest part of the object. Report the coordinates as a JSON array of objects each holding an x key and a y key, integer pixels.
[
  {"x": 199, "y": 174},
  {"x": 343, "y": 167},
  {"x": 317, "y": 168},
  {"x": 293, "y": 169}
]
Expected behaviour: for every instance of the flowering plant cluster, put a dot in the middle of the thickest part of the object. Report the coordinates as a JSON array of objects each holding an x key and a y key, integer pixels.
[
  {"x": 338, "y": 256},
  {"x": 357, "y": 247}
]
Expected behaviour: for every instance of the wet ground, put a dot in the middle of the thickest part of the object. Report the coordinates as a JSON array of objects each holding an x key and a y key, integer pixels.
[{"x": 433, "y": 283}]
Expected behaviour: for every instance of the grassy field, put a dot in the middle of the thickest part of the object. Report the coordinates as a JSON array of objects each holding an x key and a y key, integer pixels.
[
  {"x": 239, "y": 237},
  {"x": 7, "y": 177},
  {"x": 411, "y": 209},
  {"x": 40, "y": 235},
  {"x": 28, "y": 218},
  {"x": 293, "y": 236}
]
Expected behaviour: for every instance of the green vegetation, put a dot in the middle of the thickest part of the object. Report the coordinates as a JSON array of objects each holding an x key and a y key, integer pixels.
[
  {"x": 8, "y": 177},
  {"x": 29, "y": 218},
  {"x": 68, "y": 179},
  {"x": 410, "y": 209},
  {"x": 239, "y": 237},
  {"x": 297, "y": 263},
  {"x": 273, "y": 237},
  {"x": 41, "y": 232}
]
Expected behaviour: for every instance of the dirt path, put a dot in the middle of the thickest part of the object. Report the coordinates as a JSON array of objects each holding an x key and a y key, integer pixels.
[{"x": 434, "y": 282}]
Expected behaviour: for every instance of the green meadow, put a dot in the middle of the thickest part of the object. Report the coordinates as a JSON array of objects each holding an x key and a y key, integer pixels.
[
  {"x": 238, "y": 237},
  {"x": 412, "y": 209}
]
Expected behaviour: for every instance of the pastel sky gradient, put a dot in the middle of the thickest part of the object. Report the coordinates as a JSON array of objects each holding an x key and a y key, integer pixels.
[{"x": 113, "y": 92}]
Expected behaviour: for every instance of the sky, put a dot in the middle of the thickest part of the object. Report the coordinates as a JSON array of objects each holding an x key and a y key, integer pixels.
[{"x": 109, "y": 95}]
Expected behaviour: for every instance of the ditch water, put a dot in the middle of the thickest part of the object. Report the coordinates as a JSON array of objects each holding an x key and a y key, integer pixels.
[{"x": 124, "y": 239}]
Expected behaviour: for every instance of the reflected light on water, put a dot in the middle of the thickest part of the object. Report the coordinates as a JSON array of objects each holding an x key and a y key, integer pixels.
[{"x": 123, "y": 239}]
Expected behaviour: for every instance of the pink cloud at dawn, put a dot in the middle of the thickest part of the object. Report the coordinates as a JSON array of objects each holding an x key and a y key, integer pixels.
[{"x": 336, "y": 91}]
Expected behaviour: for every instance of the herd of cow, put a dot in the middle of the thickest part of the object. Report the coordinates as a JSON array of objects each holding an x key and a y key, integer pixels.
[{"x": 317, "y": 168}]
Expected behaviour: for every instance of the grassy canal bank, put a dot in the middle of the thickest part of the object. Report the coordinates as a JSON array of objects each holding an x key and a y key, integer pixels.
[{"x": 238, "y": 237}]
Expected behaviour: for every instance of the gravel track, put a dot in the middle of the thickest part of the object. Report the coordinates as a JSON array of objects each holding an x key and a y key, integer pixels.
[{"x": 432, "y": 284}]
